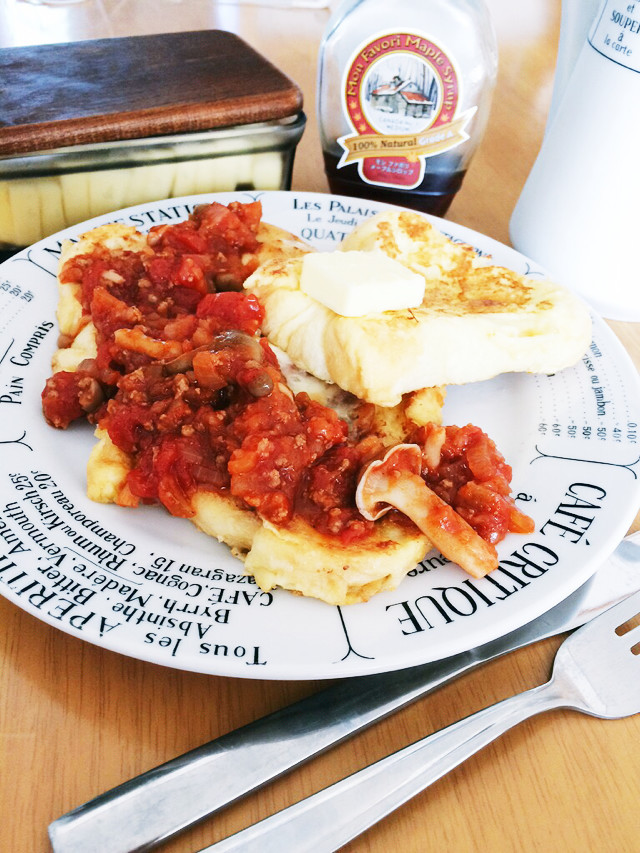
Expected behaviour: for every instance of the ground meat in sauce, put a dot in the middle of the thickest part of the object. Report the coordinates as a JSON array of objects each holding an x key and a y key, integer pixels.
[
  {"x": 472, "y": 476},
  {"x": 184, "y": 383}
]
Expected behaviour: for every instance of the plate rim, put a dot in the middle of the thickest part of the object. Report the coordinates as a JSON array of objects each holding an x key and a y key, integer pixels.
[{"x": 464, "y": 233}]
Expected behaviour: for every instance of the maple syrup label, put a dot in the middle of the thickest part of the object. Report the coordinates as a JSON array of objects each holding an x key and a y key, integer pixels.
[{"x": 401, "y": 93}]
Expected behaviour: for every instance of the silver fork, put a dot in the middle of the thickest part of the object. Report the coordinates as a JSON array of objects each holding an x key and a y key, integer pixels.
[{"x": 596, "y": 671}]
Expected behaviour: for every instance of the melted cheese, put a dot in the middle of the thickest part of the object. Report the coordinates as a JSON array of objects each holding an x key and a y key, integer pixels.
[{"x": 356, "y": 283}]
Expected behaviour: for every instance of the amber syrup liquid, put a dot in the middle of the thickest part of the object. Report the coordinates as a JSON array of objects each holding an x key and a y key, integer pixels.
[{"x": 434, "y": 195}]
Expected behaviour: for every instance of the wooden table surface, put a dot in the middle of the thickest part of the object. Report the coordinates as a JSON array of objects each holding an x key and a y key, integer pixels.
[{"x": 76, "y": 720}]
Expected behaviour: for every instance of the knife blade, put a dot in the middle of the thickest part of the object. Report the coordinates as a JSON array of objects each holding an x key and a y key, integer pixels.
[{"x": 144, "y": 811}]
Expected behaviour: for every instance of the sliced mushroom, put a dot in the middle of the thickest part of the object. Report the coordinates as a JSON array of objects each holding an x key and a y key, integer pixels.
[
  {"x": 210, "y": 374},
  {"x": 90, "y": 394},
  {"x": 395, "y": 482},
  {"x": 223, "y": 340}
]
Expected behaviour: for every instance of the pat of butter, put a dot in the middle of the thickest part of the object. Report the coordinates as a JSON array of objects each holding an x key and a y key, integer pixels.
[{"x": 357, "y": 283}]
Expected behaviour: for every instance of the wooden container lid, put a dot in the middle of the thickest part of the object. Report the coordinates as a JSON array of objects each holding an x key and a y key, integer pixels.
[{"x": 54, "y": 96}]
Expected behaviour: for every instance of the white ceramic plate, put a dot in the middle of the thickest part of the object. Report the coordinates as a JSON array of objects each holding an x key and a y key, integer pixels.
[{"x": 151, "y": 586}]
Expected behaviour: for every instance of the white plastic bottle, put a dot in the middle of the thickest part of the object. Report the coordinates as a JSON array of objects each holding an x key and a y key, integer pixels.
[
  {"x": 404, "y": 92},
  {"x": 579, "y": 212}
]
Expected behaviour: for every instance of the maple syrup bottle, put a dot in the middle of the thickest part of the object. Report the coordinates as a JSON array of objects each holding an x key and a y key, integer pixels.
[{"x": 404, "y": 92}]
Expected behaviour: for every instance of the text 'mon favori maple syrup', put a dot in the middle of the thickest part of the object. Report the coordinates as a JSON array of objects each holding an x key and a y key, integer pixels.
[{"x": 404, "y": 92}]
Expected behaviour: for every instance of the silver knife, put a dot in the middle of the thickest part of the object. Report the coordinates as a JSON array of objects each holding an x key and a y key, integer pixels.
[{"x": 139, "y": 814}]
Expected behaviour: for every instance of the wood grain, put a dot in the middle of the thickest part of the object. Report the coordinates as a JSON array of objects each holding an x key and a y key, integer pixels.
[
  {"x": 103, "y": 90},
  {"x": 76, "y": 720}
]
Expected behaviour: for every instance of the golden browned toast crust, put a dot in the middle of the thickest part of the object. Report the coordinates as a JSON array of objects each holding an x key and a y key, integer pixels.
[{"x": 476, "y": 320}]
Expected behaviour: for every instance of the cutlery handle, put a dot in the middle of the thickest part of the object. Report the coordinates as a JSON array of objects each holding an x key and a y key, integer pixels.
[
  {"x": 324, "y": 822},
  {"x": 144, "y": 811}
]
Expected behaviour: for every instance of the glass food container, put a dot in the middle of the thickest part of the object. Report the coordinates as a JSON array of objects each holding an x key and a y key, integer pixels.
[{"x": 90, "y": 127}]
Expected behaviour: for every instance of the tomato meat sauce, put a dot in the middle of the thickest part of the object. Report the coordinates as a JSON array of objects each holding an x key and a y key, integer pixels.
[
  {"x": 469, "y": 473},
  {"x": 184, "y": 384}
]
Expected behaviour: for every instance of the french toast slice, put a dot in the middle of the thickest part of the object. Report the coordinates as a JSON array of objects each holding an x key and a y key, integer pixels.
[{"x": 476, "y": 320}]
